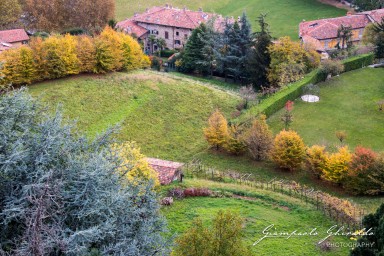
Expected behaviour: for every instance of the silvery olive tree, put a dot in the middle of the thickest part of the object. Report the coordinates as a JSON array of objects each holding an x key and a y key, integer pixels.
[{"x": 60, "y": 193}]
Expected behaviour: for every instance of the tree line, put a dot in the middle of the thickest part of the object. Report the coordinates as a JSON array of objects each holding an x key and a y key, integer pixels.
[
  {"x": 59, "y": 56},
  {"x": 56, "y": 15}
]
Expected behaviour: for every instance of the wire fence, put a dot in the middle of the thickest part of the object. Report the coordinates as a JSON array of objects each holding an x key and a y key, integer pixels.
[{"x": 340, "y": 210}]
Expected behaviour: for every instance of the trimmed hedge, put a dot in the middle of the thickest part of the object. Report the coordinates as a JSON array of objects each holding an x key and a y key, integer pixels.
[
  {"x": 167, "y": 53},
  {"x": 272, "y": 104},
  {"x": 358, "y": 62}
]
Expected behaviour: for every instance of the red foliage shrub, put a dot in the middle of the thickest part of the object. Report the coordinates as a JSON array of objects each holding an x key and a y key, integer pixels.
[
  {"x": 190, "y": 192},
  {"x": 363, "y": 159}
]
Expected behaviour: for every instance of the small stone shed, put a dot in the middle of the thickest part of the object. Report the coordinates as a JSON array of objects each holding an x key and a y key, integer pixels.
[{"x": 168, "y": 171}]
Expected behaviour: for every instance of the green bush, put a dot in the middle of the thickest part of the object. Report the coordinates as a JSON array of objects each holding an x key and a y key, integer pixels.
[
  {"x": 167, "y": 53},
  {"x": 271, "y": 105}
]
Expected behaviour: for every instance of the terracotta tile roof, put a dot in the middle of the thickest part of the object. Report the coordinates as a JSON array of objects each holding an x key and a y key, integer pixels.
[
  {"x": 172, "y": 17},
  {"x": 314, "y": 42},
  {"x": 14, "y": 35},
  {"x": 327, "y": 28},
  {"x": 130, "y": 27},
  {"x": 166, "y": 170},
  {"x": 375, "y": 15}
]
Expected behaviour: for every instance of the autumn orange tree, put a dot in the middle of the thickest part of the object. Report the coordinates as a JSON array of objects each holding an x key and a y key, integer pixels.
[
  {"x": 361, "y": 167},
  {"x": 259, "y": 139},
  {"x": 86, "y": 53},
  {"x": 216, "y": 133},
  {"x": 288, "y": 150},
  {"x": 337, "y": 165}
]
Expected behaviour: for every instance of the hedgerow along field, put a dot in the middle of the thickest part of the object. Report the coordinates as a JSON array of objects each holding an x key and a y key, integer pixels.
[
  {"x": 283, "y": 16},
  {"x": 164, "y": 115},
  {"x": 260, "y": 209}
]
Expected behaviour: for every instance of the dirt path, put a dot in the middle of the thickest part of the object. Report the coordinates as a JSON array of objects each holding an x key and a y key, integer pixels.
[{"x": 338, "y": 4}]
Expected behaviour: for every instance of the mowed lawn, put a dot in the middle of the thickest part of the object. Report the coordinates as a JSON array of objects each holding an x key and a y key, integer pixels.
[
  {"x": 260, "y": 209},
  {"x": 165, "y": 116},
  {"x": 284, "y": 16},
  {"x": 348, "y": 103}
]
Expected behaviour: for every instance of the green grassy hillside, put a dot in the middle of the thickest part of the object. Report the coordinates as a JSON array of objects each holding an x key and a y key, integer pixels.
[
  {"x": 260, "y": 209},
  {"x": 347, "y": 102},
  {"x": 164, "y": 115},
  {"x": 283, "y": 16}
]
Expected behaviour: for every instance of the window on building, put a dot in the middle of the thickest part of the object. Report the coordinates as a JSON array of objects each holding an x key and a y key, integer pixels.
[
  {"x": 166, "y": 35},
  {"x": 185, "y": 36},
  {"x": 177, "y": 33},
  {"x": 155, "y": 32},
  {"x": 177, "y": 42}
]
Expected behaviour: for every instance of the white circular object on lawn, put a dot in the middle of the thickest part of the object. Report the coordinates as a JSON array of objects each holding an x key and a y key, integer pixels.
[{"x": 310, "y": 98}]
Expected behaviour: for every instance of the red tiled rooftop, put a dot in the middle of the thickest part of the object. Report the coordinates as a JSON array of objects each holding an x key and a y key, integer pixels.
[
  {"x": 130, "y": 27},
  {"x": 327, "y": 28},
  {"x": 14, "y": 35},
  {"x": 167, "y": 170}
]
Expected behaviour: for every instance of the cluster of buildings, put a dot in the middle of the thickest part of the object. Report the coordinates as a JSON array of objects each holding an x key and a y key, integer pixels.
[
  {"x": 175, "y": 25},
  {"x": 172, "y": 24}
]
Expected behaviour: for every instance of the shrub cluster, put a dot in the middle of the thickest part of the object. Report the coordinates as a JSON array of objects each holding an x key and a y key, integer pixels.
[
  {"x": 59, "y": 56},
  {"x": 192, "y": 192}
]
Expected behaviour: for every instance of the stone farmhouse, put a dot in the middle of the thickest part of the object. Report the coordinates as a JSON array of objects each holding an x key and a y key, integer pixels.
[
  {"x": 12, "y": 38},
  {"x": 174, "y": 25},
  {"x": 167, "y": 171},
  {"x": 323, "y": 33}
]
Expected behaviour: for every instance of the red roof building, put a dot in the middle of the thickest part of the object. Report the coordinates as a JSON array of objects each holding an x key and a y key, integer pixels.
[
  {"x": 12, "y": 38},
  {"x": 168, "y": 171},
  {"x": 174, "y": 25},
  {"x": 323, "y": 33}
]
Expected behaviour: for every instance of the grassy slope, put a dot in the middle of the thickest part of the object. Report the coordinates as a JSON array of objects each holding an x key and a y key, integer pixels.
[
  {"x": 283, "y": 16},
  {"x": 346, "y": 103},
  {"x": 268, "y": 208},
  {"x": 165, "y": 116}
]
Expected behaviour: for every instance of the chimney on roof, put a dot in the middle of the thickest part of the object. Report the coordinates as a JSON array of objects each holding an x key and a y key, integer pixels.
[
  {"x": 349, "y": 13},
  {"x": 200, "y": 9},
  {"x": 146, "y": 10},
  {"x": 167, "y": 6},
  {"x": 185, "y": 8},
  {"x": 136, "y": 14},
  {"x": 238, "y": 18}
]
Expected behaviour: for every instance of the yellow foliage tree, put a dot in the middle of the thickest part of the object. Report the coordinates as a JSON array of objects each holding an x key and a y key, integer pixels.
[
  {"x": 133, "y": 56},
  {"x": 235, "y": 143},
  {"x": 259, "y": 139},
  {"x": 86, "y": 53},
  {"x": 18, "y": 66},
  {"x": 316, "y": 160},
  {"x": 60, "y": 56},
  {"x": 290, "y": 61},
  {"x": 337, "y": 165},
  {"x": 217, "y": 132},
  {"x": 40, "y": 58},
  {"x": 134, "y": 166},
  {"x": 288, "y": 150},
  {"x": 109, "y": 51}
]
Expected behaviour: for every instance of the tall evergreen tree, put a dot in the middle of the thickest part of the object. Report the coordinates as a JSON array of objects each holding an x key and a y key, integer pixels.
[
  {"x": 235, "y": 43},
  {"x": 193, "y": 50},
  {"x": 210, "y": 50},
  {"x": 259, "y": 58}
]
